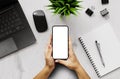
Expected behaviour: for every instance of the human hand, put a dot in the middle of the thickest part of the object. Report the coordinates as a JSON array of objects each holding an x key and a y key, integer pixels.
[
  {"x": 50, "y": 64},
  {"x": 72, "y": 61}
]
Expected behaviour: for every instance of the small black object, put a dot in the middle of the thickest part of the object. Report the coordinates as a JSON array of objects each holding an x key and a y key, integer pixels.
[
  {"x": 105, "y": 1},
  {"x": 40, "y": 21},
  {"x": 104, "y": 12},
  {"x": 89, "y": 12}
]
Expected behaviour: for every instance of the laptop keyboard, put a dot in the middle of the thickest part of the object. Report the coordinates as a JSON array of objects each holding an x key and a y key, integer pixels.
[{"x": 10, "y": 23}]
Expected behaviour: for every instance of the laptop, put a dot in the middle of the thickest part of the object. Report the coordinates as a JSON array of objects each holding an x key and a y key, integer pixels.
[{"x": 15, "y": 32}]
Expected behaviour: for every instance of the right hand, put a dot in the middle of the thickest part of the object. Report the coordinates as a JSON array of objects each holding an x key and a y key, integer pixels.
[{"x": 72, "y": 61}]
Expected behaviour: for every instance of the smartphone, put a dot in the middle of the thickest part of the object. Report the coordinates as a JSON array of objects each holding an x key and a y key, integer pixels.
[{"x": 60, "y": 41}]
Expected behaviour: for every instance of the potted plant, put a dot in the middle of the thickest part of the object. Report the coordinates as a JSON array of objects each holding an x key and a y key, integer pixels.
[{"x": 65, "y": 7}]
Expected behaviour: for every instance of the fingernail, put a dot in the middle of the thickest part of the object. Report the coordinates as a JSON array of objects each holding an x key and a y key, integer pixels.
[{"x": 56, "y": 61}]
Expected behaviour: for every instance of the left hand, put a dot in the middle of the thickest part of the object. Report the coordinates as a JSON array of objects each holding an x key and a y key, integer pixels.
[{"x": 50, "y": 64}]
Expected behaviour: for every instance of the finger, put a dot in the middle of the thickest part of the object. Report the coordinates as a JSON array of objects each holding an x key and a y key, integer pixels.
[
  {"x": 70, "y": 44},
  {"x": 49, "y": 47},
  {"x": 61, "y": 62},
  {"x": 49, "y": 52},
  {"x": 50, "y": 40},
  {"x": 70, "y": 47}
]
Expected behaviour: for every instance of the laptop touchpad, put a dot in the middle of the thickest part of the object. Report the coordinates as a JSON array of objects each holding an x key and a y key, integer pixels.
[{"x": 7, "y": 46}]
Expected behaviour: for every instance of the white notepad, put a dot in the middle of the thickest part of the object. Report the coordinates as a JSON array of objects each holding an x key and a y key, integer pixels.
[{"x": 110, "y": 49}]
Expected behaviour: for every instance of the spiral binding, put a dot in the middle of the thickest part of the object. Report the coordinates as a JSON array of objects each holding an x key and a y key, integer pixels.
[{"x": 89, "y": 56}]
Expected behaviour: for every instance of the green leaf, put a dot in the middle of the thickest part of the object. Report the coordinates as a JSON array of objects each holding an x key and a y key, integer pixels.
[
  {"x": 79, "y": 6},
  {"x": 69, "y": 1},
  {"x": 75, "y": 3},
  {"x": 52, "y": 1},
  {"x": 68, "y": 6},
  {"x": 68, "y": 12},
  {"x": 62, "y": 3},
  {"x": 60, "y": 10},
  {"x": 56, "y": 5},
  {"x": 73, "y": 11},
  {"x": 56, "y": 10},
  {"x": 65, "y": 7},
  {"x": 50, "y": 6},
  {"x": 65, "y": 12}
]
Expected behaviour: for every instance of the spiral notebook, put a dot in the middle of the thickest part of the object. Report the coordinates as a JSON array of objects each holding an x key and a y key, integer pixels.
[{"x": 110, "y": 49}]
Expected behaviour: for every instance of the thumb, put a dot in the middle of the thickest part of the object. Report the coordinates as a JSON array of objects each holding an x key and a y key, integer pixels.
[{"x": 60, "y": 61}]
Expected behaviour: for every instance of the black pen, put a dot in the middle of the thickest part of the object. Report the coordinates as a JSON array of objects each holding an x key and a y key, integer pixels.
[{"x": 99, "y": 50}]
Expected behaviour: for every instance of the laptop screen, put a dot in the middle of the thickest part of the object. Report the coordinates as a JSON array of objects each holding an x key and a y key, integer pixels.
[{"x": 4, "y": 3}]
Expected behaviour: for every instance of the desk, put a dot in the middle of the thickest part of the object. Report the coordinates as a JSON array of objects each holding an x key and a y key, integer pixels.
[{"x": 26, "y": 63}]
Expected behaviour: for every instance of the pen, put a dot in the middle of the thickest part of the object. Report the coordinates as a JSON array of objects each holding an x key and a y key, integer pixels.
[{"x": 99, "y": 50}]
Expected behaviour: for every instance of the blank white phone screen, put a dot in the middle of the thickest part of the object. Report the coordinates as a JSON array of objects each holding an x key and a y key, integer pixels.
[{"x": 60, "y": 42}]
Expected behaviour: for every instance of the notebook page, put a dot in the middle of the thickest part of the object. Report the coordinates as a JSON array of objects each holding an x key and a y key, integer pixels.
[{"x": 110, "y": 48}]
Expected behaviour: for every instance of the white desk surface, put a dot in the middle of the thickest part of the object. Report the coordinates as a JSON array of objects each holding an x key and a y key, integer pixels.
[{"x": 26, "y": 63}]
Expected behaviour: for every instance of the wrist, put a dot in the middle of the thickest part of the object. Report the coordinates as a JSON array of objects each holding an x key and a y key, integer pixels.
[
  {"x": 77, "y": 68},
  {"x": 48, "y": 69},
  {"x": 81, "y": 73},
  {"x": 44, "y": 74}
]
